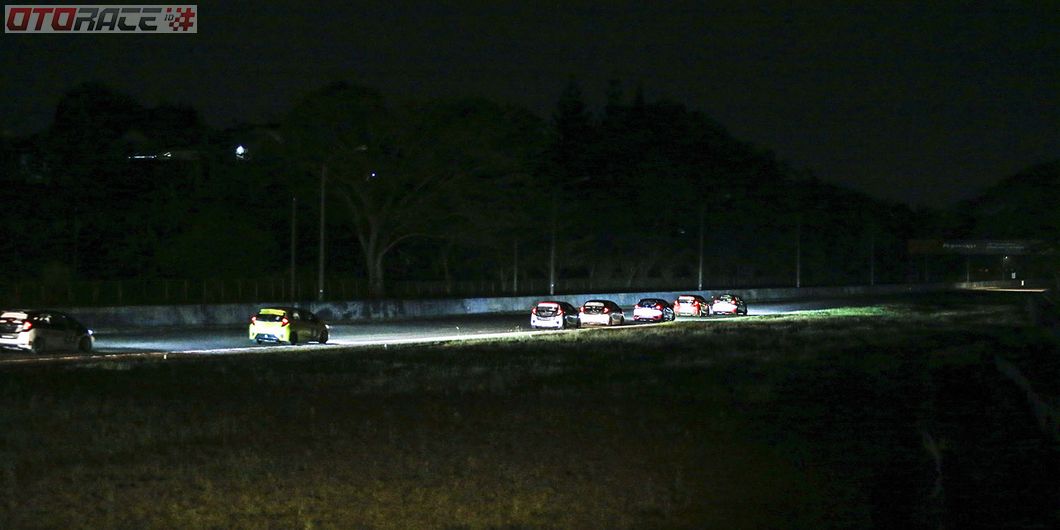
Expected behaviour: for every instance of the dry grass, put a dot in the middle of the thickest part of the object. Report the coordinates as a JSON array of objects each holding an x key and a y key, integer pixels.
[{"x": 679, "y": 426}]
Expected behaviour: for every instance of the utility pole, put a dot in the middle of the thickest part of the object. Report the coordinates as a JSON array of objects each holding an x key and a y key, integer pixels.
[
  {"x": 798, "y": 253},
  {"x": 515, "y": 267},
  {"x": 702, "y": 214},
  {"x": 294, "y": 204},
  {"x": 552, "y": 251},
  {"x": 320, "y": 272},
  {"x": 872, "y": 259}
]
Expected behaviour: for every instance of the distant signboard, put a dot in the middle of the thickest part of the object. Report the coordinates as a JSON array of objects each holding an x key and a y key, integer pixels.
[{"x": 978, "y": 247}]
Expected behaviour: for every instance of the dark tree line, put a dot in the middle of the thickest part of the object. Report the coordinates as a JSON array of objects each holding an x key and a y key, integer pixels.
[
  {"x": 650, "y": 177},
  {"x": 431, "y": 189}
]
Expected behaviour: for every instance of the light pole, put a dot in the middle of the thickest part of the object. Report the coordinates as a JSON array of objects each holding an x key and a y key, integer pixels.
[
  {"x": 323, "y": 224},
  {"x": 515, "y": 267},
  {"x": 552, "y": 250},
  {"x": 552, "y": 239},
  {"x": 294, "y": 204},
  {"x": 320, "y": 271},
  {"x": 798, "y": 253},
  {"x": 872, "y": 258},
  {"x": 702, "y": 213}
]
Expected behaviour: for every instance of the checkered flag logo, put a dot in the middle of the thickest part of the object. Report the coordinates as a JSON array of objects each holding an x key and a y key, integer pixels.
[{"x": 184, "y": 19}]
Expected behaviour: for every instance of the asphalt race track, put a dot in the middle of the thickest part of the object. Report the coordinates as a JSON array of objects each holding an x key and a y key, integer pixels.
[{"x": 230, "y": 340}]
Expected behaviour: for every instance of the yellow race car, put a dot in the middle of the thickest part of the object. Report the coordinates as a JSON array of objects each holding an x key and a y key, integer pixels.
[{"x": 287, "y": 324}]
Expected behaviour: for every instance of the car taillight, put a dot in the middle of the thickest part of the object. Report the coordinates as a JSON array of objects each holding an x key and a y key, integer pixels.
[
  {"x": 659, "y": 307},
  {"x": 254, "y": 319},
  {"x": 560, "y": 312},
  {"x": 284, "y": 322},
  {"x": 607, "y": 310},
  {"x": 534, "y": 310},
  {"x": 26, "y": 325}
]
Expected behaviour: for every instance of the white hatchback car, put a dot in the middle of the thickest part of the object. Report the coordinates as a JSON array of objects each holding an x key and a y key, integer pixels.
[
  {"x": 553, "y": 314},
  {"x": 601, "y": 312},
  {"x": 728, "y": 304},
  {"x": 41, "y": 331},
  {"x": 654, "y": 310}
]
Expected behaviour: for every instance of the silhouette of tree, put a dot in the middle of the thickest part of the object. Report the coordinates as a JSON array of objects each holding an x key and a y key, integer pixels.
[{"x": 406, "y": 170}]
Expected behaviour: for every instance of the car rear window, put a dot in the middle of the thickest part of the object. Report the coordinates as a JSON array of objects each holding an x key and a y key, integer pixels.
[
  {"x": 268, "y": 317},
  {"x": 649, "y": 303},
  {"x": 687, "y": 299},
  {"x": 547, "y": 310},
  {"x": 11, "y": 323}
]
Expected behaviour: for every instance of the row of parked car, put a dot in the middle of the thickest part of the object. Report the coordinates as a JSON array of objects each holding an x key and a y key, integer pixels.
[{"x": 557, "y": 314}]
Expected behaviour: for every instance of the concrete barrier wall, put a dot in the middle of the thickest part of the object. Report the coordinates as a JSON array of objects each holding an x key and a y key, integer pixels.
[{"x": 132, "y": 317}]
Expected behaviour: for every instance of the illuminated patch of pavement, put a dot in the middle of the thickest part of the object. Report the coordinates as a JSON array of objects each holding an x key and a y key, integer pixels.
[{"x": 163, "y": 344}]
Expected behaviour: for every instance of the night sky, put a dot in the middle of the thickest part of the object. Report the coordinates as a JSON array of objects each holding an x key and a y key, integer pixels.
[{"x": 925, "y": 105}]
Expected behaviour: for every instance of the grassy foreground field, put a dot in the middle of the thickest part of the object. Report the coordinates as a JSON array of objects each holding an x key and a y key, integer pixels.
[{"x": 889, "y": 416}]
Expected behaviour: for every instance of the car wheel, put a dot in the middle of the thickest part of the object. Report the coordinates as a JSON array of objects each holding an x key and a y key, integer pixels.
[
  {"x": 669, "y": 315},
  {"x": 38, "y": 345},
  {"x": 84, "y": 345},
  {"x": 293, "y": 338},
  {"x": 324, "y": 337}
]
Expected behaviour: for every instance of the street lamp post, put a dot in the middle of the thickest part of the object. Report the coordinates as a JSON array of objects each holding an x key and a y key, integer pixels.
[
  {"x": 320, "y": 272},
  {"x": 552, "y": 251},
  {"x": 294, "y": 204},
  {"x": 323, "y": 224},
  {"x": 872, "y": 258},
  {"x": 798, "y": 253},
  {"x": 702, "y": 213},
  {"x": 515, "y": 267}
]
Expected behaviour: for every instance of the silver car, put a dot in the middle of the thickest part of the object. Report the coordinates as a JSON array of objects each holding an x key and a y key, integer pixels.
[
  {"x": 42, "y": 330},
  {"x": 601, "y": 312},
  {"x": 553, "y": 314}
]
